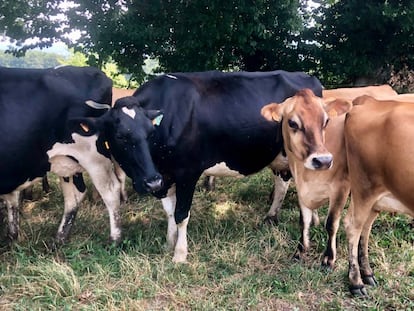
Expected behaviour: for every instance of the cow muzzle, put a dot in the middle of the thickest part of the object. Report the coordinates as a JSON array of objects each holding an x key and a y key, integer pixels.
[
  {"x": 154, "y": 184},
  {"x": 319, "y": 161}
]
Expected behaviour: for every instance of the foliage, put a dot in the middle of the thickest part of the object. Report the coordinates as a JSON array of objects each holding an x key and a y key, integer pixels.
[
  {"x": 341, "y": 42},
  {"x": 33, "y": 59},
  {"x": 181, "y": 35},
  {"x": 235, "y": 262},
  {"x": 109, "y": 68},
  {"x": 32, "y": 23},
  {"x": 368, "y": 39}
]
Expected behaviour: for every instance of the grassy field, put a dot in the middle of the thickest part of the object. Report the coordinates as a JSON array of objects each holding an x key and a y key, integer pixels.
[{"x": 236, "y": 262}]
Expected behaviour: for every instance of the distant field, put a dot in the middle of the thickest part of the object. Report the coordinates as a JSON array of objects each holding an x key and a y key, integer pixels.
[{"x": 235, "y": 262}]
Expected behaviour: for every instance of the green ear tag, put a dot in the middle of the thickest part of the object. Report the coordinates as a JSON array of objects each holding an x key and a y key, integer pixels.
[{"x": 157, "y": 120}]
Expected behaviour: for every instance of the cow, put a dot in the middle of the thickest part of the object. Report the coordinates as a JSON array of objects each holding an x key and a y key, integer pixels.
[
  {"x": 118, "y": 93},
  {"x": 36, "y": 106},
  {"x": 304, "y": 126},
  {"x": 208, "y": 118},
  {"x": 377, "y": 91},
  {"x": 378, "y": 140}
]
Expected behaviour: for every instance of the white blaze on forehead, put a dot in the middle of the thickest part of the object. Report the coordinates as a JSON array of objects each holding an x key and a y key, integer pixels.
[
  {"x": 129, "y": 112},
  {"x": 221, "y": 169}
]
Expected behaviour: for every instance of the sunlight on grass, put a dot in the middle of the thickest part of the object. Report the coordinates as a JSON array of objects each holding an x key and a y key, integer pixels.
[{"x": 235, "y": 262}]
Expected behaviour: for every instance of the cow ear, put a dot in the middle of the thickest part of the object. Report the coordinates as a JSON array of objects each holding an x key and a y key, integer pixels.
[
  {"x": 336, "y": 107},
  {"x": 155, "y": 116},
  {"x": 84, "y": 126},
  {"x": 272, "y": 112}
]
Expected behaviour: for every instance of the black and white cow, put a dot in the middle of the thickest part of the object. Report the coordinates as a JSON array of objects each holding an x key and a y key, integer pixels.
[
  {"x": 210, "y": 119},
  {"x": 35, "y": 108}
]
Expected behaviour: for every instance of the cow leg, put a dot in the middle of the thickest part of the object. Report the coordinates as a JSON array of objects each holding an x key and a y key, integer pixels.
[
  {"x": 185, "y": 192},
  {"x": 366, "y": 272},
  {"x": 120, "y": 174},
  {"x": 45, "y": 184},
  {"x": 109, "y": 187},
  {"x": 168, "y": 203},
  {"x": 209, "y": 183},
  {"x": 13, "y": 205},
  {"x": 305, "y": 223},
  {"x": 336, "y": 205},
  {"x": 280, "y": 189},
  {"x": 353, "y": 222},
  {"x": 74, "y": 191}
]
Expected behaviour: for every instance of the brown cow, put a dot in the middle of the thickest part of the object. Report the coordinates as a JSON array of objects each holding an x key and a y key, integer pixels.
[
  {"x": 377, "y": 91},
  {"x": 379, "y": 145},
  {"x": 305, "y": 127},
  {"x": 119, "y": 93},
  {"x": 380, "y": 92}
]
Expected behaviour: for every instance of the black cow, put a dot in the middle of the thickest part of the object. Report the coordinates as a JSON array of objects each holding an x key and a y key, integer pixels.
[
  {"x": 35, "y": 107},
  {"x": 208, "y": 118}
]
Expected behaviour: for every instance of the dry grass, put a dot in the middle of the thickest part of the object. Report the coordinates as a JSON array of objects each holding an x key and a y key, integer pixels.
[{"x": 235, "y": 263}]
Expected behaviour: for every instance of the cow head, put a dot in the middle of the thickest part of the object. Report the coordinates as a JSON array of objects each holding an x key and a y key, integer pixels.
[
  {"x": 304, "y": 118},
  {"x": 123, "y": 133}
]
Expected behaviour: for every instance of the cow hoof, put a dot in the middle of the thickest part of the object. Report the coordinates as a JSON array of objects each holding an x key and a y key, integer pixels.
[
  {"x": 271, "y": 220},
  {"x": 370, "y": 280},
  {"x": 327, "y": 267},
  {"x": 358, "y": 290},
  {"x": 298, "y": 256},
  {"x": 54, "y": 245},
  {"x": 12, "y": 236},
  {"x": 114, "y": 243},
  {"x": 180, "y": 258},
  {"x": 60, "y": 239},
  {"x": 328, "y": 264}
]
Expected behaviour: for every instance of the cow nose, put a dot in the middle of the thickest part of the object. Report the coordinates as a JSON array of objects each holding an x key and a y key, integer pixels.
[
  {"x": 322, "y": 161},
  {"x": 154, "y": 184}
]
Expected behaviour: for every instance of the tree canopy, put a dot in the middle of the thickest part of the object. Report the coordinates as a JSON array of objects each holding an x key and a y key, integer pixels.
[
  {"x": 363, "y": 39},
  {"x": 341, "y": 41}
]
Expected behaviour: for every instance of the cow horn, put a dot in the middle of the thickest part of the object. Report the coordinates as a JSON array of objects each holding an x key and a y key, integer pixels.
[{"x": 96, "y": 105}]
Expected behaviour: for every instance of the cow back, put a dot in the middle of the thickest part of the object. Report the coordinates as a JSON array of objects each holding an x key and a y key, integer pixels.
[{"x": 213, "y": 116}]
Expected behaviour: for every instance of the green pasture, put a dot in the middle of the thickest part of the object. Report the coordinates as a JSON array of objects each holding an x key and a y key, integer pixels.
[{"x": 235, "y": 262}]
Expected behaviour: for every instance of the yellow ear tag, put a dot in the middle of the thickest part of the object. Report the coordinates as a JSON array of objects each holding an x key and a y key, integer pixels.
[
  {"x": 84, "y": 127},
  {"x": 106, "y": 145},
  {"x": 157, "y": 120}
]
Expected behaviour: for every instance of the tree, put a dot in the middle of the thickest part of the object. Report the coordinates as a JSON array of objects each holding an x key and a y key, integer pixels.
[
  {"x": 182, "y": 35},
  {"x": 32, "y": 59},
  {"x": 31, "y": 23},
  {"x": 213, "y": 34},
  {"x": 367, "y": 40}
]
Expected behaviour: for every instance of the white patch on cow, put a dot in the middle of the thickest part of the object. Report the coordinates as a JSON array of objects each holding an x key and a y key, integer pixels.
[
  {"x": 72, "y": 198},
  {"x": 130, "y": 112},
  {"x": 181, "y": 248},
  {"x": 12, "y": 203},
  {"x": 99, "y": 168},
  {"x": 168, "y": 203},
  {"x": 28, "y": 183},
  {"x": 63, "y": 166},
  {"x": 279, "y": 192},
  {"x": 176, "y": 234},
  {"x": 222, "y": 170},
  {"x": 171, "y": 76},
  {"x": 389, "y": 203}
]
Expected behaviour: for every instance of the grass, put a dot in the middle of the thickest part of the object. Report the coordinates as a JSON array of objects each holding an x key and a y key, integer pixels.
[{"x": 236, "y": 262}]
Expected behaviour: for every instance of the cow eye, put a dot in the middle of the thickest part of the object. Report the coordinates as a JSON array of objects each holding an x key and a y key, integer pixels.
[{"x": 293, "y": 125}]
